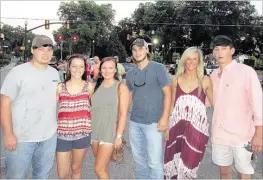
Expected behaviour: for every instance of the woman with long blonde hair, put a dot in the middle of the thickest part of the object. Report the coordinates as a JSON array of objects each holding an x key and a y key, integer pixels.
[{"x": 188, "y": 129}]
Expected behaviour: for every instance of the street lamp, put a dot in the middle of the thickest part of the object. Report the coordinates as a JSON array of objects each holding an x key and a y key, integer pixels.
[
  {"x": 155, "y": 41},
  {"x": 163, "y": 52},
  {"x": 24, "y": 42}
]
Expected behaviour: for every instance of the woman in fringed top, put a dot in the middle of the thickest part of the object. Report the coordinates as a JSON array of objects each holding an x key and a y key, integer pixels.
[{"x": 187, "y": 136}]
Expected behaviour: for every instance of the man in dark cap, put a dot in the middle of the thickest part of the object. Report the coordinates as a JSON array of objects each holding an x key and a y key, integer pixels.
[{"x": 150, "y": 88}]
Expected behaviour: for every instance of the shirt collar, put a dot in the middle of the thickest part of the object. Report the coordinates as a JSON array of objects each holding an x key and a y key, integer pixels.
[{"x": 228, "y": 67}]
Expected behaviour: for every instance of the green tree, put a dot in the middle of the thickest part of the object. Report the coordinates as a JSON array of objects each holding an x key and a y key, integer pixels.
[
  {"x": 14, "y": 37},
  {"x": 113, "y": 46},
  {"x": 198, "y": 22},
  {"x": 90, "y": 21}
]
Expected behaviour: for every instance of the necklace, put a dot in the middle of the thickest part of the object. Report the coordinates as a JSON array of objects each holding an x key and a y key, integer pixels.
[{"x": 191, "y": 84}]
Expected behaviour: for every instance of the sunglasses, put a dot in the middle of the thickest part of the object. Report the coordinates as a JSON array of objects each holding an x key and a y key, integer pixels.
[
  {"x": 44, "y": 45},
  {"x": 138, "y": 81}
]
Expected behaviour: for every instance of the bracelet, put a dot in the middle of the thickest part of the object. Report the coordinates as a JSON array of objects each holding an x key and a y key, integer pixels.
[{"x": 119, "y": 136}]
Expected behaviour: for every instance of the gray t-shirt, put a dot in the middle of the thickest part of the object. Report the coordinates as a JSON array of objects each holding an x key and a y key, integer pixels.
[
  {"x": 33, "y": 92},
  {"x": 147, "y": 95}
]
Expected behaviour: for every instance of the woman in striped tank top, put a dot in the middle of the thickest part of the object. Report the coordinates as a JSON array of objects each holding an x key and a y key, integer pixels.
[{"x": 74, "y": 119}]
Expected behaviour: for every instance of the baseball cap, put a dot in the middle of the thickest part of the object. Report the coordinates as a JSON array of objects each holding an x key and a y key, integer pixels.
[
  {"x": 41, "y": 40},
  {"x": 139, "y": 42},
  {"x": 222, "y": 40}
]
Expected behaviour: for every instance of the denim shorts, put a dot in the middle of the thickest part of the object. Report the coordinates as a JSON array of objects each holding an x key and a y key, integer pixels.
[{"x": 67, "y": 145}]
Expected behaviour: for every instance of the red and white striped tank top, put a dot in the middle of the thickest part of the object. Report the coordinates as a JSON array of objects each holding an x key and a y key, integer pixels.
[{"x": 74, "y": 117}]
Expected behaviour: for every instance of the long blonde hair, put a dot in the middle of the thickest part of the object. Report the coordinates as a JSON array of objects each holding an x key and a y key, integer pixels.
[{"x": 200, "y": 68}]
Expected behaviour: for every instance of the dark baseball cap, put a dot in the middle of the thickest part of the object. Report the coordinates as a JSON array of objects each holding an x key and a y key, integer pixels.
[
  {"x": 41, "y": 40},
  {"x": 222, "y": 40},
  {"x": 139, "y": 42}
]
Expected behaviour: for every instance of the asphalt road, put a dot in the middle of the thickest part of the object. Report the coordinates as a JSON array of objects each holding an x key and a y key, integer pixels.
[{"x": 126, "y": 169}]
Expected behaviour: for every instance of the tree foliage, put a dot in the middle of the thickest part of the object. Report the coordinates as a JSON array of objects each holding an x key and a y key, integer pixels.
[
  {"x": 195, "y": 23},
  {"x": 14, "y": 37},
  {"x": 91, "y": 22}
]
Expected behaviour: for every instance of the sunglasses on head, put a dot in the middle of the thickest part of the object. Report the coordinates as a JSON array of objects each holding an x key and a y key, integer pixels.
[
  {"x": 142, "y": 83},
  {"x": 44, "y": 45}
]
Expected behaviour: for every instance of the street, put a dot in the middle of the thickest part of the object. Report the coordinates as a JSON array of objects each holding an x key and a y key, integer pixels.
[{"x": 126, "y": 169}]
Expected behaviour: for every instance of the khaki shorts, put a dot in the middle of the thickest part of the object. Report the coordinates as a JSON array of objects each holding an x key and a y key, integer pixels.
[{"x": 223, "y": 155}]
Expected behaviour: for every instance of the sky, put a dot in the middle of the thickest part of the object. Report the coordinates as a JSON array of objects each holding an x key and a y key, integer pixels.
[{"x": 48, "y": 10}]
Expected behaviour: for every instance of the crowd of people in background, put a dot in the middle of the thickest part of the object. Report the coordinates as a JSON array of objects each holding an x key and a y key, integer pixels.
[{"x": 46, "y": 114}]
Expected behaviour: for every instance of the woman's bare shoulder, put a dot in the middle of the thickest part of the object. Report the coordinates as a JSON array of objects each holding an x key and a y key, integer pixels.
[{"x": 123, "y": 87}]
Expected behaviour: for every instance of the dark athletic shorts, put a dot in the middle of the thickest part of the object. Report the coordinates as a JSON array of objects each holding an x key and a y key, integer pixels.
[{"x": 65, "y": 146}]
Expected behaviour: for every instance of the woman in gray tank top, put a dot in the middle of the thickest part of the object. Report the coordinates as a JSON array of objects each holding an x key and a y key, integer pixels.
[{"x": 110, "y": 103}]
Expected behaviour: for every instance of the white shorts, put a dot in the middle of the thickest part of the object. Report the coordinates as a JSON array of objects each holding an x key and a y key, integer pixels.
[
  {"x": 101, "y": 142},
  {"x": 223, "y": 155}
]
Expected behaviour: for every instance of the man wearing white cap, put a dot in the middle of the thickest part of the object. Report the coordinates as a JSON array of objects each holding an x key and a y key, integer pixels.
[{"x": 28, "y": 114}]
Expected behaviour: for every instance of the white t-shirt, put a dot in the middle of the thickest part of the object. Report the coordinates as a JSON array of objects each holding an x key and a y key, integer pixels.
[{"x": 33, "y": 92}]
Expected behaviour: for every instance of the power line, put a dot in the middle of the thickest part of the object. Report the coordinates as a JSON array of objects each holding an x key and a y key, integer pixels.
[
  {"x": 149, "y": 23},
  {"x": 33, "y": 19},
  {"x": 230, "y": 25}
]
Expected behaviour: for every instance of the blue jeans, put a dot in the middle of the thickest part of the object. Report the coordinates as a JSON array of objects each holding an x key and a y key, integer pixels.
[
  {"x": 40, "y": 155},
  {"x": 146, "y": 141}
]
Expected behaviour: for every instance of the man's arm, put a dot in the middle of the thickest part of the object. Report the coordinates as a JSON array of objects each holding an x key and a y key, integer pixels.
[
  {"x": 164, "y": 121},
  {"x": 6, "y": 123},
  {"x": 130, "y": 87},
  {"x": 9, "y": 92},
  {"x": 165, "y": 83},
  {"x": 255, "y": 96},
  {"x": 6, "y": 116}
]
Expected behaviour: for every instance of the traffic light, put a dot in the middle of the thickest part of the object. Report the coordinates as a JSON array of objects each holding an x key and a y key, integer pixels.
[
  {"x": 60, "y": 37},
  {"x": 67, "y": 25},
  {"x": 75, "y": 37},
  {"x": 46, "y": 24}
]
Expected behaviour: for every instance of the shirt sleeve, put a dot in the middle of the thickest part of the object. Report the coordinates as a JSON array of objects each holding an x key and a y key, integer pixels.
[
  {"x": 11, "y": 85},
  {"x": 129, "y": 81},
  {"x": 163, "y": 76},
  {"x": 255, "y": 97}
]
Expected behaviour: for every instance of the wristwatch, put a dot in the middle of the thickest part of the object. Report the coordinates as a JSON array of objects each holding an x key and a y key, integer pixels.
[{"x": 118, "y": 136}]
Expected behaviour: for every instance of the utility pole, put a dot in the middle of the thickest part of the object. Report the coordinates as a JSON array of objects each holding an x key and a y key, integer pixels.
[
  {"x": 24, "y": 43},
  {"x": 70, "y": 47},
  {"x": 61, "y": 50}
]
